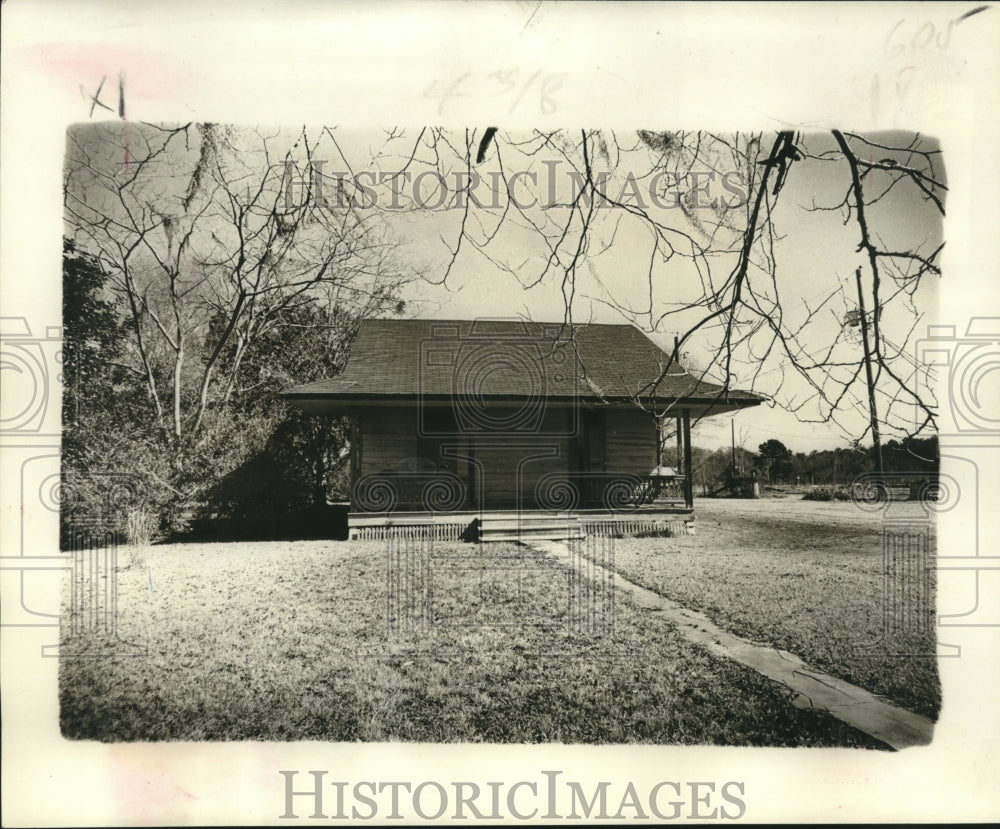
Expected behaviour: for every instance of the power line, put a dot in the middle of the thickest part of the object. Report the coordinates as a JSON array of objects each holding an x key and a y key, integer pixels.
[{"x": 786, "y": 433}]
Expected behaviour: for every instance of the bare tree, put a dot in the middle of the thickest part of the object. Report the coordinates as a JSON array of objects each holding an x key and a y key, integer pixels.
[
  {"x": 713, "y": 212},
  {"x": 208, "y": 255}
]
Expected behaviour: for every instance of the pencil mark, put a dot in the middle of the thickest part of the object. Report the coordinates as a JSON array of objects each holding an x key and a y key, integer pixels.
[
  {"x": 970, "y": 13},
  {"x": 538, "y": 5},
  {"x": 95, "y": 98}
]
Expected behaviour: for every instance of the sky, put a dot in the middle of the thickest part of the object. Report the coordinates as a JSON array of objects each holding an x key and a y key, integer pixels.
[
  {"x": 815, "y": 255},
  {"x": 620, "y": 277}
]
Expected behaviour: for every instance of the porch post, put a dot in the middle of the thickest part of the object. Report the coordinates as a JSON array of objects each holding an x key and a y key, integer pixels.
[
  {"x": 680, "y": 446},
  {"x": 688, "y": 471},
  {"x": 355, "y": 456}
]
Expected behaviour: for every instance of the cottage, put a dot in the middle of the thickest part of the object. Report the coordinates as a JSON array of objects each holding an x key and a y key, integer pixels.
[{"x": 495, "y": 429}]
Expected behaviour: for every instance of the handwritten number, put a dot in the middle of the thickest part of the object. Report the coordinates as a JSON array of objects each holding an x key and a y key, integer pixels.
[
  {"x": 448, "y": 94},
  {"x": 524, "y": 89},
  {"x": 506, "y": 79},
  {"x": 899, "y": 40},
  {"x": 506, "y": 83},
  {"x": 551, "y": 85}
]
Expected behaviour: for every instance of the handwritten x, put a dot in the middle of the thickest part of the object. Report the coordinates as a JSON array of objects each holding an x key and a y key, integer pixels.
[{"x": 95, "y": 98}]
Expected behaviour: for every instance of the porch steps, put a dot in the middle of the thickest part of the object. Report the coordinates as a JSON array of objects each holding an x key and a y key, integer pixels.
[{"x": 529, "y": 527}]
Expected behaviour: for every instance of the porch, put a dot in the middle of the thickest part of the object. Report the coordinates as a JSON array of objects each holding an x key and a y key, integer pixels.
[
  {"x": 519, "y": 525},
  {"x": 611, "y": 505}
]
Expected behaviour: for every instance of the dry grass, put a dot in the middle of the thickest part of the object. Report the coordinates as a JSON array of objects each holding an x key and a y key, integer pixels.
[
  {"x": 805, "y": 576},
  {"x": 287, "y": 641}
]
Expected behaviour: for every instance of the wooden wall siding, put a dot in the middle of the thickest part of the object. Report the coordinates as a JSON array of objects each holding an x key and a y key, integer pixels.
[
  {"x": 498, "y": 466},
  {"x": 449, "y": 455},
  {"x": 388, "y": 436},
  {"x": 629, "y": 442},
  {"x": 548, "y": 449}
]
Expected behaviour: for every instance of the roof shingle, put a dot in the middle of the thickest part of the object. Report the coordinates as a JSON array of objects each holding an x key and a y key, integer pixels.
[{"x": 420, "y": 358}]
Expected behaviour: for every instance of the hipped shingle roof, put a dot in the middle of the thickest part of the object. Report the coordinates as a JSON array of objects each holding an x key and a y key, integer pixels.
[{"x": 512, "y": 359}]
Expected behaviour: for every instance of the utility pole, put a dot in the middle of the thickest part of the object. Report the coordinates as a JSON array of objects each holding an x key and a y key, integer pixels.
[
  {"x": 876, "y": 441},
  {"x": 732, "y": 424},
  {"x": 680, "y": 446}
]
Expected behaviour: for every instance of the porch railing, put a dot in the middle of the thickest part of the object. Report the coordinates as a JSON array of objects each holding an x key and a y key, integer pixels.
[
  {"x": 445, "y": 492},
  {"x": 612, "y": 491},
  {"x": 661, "y": 489}
]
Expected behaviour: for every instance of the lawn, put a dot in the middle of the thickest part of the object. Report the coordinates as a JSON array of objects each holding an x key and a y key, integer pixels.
[
  {"x": 805, "y": 576},
  {"x": 289, "y": 641}
]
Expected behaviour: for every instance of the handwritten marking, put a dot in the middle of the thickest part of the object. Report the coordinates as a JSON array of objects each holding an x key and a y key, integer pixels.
[
  {"x": 504, "y": 83},
  {"x": 95, "y": 98},
  {"x": 971, "y": 12}
]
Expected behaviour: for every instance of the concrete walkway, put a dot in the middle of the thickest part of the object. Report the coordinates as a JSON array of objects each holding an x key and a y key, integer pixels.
[{"x": 813, "y": 689}]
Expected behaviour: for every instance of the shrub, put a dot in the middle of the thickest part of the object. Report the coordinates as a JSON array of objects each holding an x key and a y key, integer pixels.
[
  {"x": 827, "y": 493},
  {"x": 140, "y": 527}
]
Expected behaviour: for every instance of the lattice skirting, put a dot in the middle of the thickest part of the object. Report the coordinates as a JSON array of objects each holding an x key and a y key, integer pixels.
[
  {"x": 437, "y": 532},
  {"x": 639, "y": 526},
  {"x": 460, "y": 531}
]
